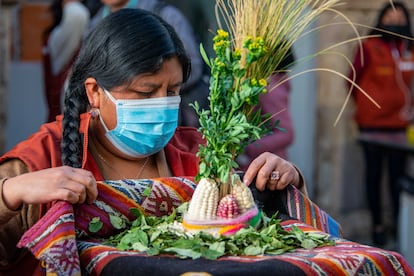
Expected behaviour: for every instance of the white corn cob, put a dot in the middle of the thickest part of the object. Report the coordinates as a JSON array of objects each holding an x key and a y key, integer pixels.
[
  {"x": 243, "y": 196},
  {"x": 203, "y": 204}
]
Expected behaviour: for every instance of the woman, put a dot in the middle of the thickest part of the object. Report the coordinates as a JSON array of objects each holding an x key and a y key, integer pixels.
[
  {"x": 119, "y": 121},
  {"x": 385, "y": 73}
]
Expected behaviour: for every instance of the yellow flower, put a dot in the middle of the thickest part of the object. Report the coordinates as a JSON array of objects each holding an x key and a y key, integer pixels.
[
  {"x": 223, "y": 34},
  {"x": 262, "y": 82},
  {"x": 257, "y": 45},
  {"x": 219, "y": 45},
  {"x": 219, "y": 63}
]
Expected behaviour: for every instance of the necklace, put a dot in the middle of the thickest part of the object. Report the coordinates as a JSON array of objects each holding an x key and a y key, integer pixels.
[{"x": 122, "y": 177}]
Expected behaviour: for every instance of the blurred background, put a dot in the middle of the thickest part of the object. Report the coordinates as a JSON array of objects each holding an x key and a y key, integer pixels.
[{"x": 329, "y": 156}]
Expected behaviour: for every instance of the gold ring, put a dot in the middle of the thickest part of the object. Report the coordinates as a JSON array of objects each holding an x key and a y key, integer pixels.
[{"x": 275, "y": 176}]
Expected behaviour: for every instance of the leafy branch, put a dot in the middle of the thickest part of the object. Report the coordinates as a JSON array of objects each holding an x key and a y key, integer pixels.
[{"x": 232, "y": 120}]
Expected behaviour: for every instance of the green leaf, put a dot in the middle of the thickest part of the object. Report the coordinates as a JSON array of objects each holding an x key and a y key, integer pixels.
[
  {"x": 155, "y": 235},
  {"x": 253, "y": 251},
  {"x": 142, "y": 237},
  {"x": 218, "y": 247},
  {"x": 137, "y": 212},
  {"x": 308, "y": 244},
  {"x": 172, "y": 216},
  {"x": 147, "y": 191},
  {"x": 139, "y": 247},
  {"x": 232, "y": 248},
  {"x": 184, "y": 243},
  {"x": 95, "y": 225},
  {"x": 204, "y": 55},
  {"x": 153, "y": 251},
  {"x": 182, "y": 252},
  {"x": 117, "y": 222},
  {"x": 203, "y": 167},
  {"x": 211, "y": 254}
]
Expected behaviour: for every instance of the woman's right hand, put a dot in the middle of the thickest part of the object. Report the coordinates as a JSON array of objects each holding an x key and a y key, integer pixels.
[{"x": 62, "y": 183}]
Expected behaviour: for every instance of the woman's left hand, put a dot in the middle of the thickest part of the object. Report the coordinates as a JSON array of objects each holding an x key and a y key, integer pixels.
[{"x": 271, "y": 172}]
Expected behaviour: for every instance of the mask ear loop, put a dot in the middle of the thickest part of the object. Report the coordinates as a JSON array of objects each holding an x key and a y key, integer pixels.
[{"x": 110, "y": 96}]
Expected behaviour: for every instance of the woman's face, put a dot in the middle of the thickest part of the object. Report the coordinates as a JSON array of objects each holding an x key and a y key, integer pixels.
[
  {"x": 395, "y": 17},
  {"x": 166, "y": 82}
]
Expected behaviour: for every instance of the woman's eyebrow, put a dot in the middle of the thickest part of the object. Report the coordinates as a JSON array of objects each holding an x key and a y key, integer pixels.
[
  {"x": 180, "y": 83},
  {"x": 152, "y": 86}
]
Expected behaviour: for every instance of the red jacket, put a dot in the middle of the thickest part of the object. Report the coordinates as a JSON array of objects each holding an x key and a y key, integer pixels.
[
  {"x": 42, "y": 150},
  {"x": 385, "y": 74}
]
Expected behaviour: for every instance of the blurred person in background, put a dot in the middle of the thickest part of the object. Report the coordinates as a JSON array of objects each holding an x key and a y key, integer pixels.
[
  {"x": 384, "y": 69},
  {"x": 61, "y": 44}
]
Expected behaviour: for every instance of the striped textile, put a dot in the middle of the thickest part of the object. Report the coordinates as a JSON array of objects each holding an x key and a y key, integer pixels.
[
  {"x": 303, "y": 209},
  {"x": 63, "y": 241},
  {"x": 52, "y": 240}
]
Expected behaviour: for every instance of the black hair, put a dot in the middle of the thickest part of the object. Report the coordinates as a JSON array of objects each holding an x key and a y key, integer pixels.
[
  {"x": 389, "y": 6},
  {"x": 124, "y": 44}
]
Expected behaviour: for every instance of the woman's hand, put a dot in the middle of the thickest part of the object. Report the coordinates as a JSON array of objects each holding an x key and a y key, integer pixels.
[
  {"x": 271, "y": 172},
  {"x": 62, "y": 183}
]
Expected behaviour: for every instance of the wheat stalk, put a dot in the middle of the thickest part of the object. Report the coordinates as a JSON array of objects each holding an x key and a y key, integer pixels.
[{"x": 280, "y": 23}]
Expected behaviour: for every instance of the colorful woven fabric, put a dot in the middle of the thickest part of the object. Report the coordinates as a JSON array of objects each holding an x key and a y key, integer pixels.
[
  {"x": 303, "y": 209},
  {"x": 52, "y": 240},
  {"x": 63, "y": 241}
]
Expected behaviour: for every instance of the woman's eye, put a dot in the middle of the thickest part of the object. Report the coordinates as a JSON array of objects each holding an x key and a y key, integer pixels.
[
  {"x": 143, "y": 94},
  {"x": 173, "y": 93}
]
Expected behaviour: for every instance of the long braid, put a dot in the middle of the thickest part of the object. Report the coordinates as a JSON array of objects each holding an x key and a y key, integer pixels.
[{"x": 75, "y": 104}]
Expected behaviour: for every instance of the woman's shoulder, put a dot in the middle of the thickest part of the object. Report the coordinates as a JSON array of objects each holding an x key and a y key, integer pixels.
[{"x": 35, "y": 151}]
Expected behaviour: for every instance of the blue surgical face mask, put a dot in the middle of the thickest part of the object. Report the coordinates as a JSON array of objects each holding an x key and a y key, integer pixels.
[{"x": 145, "y": 126}]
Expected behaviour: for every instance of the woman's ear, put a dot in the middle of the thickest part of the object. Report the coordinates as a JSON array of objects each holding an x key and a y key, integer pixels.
[{"x": 92, "y": 91}]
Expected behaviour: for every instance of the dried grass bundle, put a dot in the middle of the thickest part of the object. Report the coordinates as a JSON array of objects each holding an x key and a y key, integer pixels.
[{"x": 280, "y": 23}]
